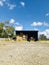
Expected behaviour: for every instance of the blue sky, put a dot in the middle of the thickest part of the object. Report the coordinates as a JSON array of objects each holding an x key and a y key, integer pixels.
[{"x": 26, "y": 14}]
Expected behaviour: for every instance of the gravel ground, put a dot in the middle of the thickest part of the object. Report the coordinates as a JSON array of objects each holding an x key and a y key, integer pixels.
[{"x": 24, "y": 54}]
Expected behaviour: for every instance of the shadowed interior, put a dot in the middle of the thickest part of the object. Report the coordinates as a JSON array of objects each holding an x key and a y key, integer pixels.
[{"x": 29, "y": 34}]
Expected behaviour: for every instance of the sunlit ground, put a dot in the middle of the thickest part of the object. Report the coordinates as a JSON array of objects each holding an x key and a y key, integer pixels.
[{"x": 24, "y": 53}]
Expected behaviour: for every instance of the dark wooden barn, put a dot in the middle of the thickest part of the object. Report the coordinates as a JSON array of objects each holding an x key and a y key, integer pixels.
[{"x": 29, "y": 34}]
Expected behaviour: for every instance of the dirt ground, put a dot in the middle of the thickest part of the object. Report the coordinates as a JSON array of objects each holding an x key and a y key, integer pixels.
[{"x": 24, "y": 53}]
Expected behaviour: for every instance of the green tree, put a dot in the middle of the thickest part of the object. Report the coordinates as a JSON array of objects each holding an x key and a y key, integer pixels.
[
  {"x": 42, "y": 37},
  {"x": 1, "y": 27},
  {"x": 6, "y": 30},
  {"x": 9, "y": 31},
  {"x": 3, "y": 34}
]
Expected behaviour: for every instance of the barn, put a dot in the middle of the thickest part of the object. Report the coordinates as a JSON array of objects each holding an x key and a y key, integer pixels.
[{"x": 27, "y": 35}]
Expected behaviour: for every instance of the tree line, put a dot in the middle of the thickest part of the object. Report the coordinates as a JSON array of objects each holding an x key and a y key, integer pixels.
[
  {"x": 7, "y": 30},
  {"x": 43, "y": 37}
]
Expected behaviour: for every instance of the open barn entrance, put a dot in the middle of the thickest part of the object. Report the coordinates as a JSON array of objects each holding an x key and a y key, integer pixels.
[{"x": 29, "y": 35}]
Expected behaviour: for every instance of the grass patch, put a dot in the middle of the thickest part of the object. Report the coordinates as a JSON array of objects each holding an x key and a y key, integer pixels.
[{"x": 43, "y": 41}]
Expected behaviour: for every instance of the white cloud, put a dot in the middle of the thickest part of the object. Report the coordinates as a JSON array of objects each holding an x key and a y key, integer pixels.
[
  {"x": 46, "y": 33},
  {"x": 11, "y": 6},
  {"x": 2, "y": 2},
  {"x": 19, "y": 28},
  {"x": 43, "y": 32},
  {"x": 45, "y": 24},
  {"x": 22, "y": 3},
  {"x": 47, "y": 14},
  {"x": 35, "y": 29},
  {"x": 17, "y": 23},
  {"x": 12, "y": 21},
  {"x": 37, "y": 24}
]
